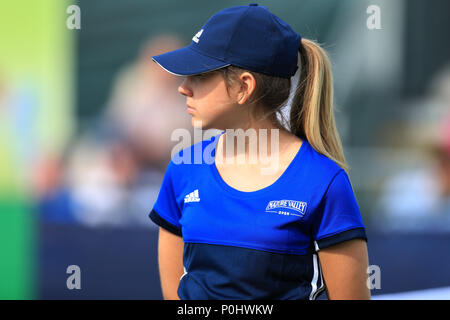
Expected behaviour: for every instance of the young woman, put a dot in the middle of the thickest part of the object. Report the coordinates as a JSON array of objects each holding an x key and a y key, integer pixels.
[{"x": 228, "y": 229}]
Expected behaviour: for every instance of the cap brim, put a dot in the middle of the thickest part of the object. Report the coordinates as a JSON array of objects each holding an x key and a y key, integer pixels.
[{"x": 186, "y": 61}]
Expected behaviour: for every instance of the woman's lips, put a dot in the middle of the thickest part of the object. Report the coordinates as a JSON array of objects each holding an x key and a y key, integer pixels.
[{"x": 190, "y": 109}]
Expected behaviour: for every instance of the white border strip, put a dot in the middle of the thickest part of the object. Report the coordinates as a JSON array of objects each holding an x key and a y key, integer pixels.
[{"x": 315, "y": 278}]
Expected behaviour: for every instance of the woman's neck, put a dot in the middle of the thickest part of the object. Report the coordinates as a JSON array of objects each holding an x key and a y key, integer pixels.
[{"x": 255, "y": 140}]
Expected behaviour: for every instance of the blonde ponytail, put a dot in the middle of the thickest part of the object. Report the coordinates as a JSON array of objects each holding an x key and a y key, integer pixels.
[{"x": 312, "y": 107}]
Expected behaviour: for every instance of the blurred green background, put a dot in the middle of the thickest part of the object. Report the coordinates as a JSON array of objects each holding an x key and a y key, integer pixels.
[{"x": 37, "y": 92}]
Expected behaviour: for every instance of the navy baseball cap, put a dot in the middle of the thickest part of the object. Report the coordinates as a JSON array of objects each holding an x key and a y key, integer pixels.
[{"x": 250, "y": 37}]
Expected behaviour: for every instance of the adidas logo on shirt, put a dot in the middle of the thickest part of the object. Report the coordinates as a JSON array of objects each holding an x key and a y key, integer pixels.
[
  {"x": 192, "y": 197},
  {"x": 197, "y": 36}
]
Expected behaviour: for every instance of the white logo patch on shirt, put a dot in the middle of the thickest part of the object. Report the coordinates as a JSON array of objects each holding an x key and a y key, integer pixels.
[
  {"x": 295, "y": 208},
  {"x": 196, "y": 38},
  {"x": 192, "y": 197}
]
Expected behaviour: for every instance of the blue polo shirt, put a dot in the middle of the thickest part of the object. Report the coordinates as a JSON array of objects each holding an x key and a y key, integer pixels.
[{"x": 261, "y": 244}]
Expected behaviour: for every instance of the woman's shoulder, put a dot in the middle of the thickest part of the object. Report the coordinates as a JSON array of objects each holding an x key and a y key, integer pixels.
[{"x": 319, "y": 164}]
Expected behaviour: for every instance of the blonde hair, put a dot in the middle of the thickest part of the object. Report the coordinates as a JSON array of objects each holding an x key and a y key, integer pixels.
[{"x": 312, "y": 114}]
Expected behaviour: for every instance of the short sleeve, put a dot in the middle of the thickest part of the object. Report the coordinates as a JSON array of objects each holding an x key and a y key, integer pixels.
[
  {"x": 338, "y": 218},
  {"x": 166, "y": 212}
]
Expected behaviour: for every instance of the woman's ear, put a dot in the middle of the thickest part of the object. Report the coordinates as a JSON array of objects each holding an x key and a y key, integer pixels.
[{"x": 248, "y": 84}]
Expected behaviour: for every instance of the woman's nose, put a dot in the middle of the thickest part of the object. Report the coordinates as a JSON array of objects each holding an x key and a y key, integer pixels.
[{"x": 184, "y": 90}]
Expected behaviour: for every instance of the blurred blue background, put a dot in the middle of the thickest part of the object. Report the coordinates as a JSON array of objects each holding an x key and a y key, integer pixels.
[{"x": 86, "y": 119}]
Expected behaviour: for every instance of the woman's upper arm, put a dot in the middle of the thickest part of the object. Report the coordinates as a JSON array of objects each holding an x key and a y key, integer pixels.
[
  {"x": 166, "y": 214},
  {"x": 344, "y": 267},
  {"x": 170, "y": 260}
]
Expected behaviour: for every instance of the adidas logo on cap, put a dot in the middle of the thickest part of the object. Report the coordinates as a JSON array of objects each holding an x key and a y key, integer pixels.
[{"x": 197, "y": 36}]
